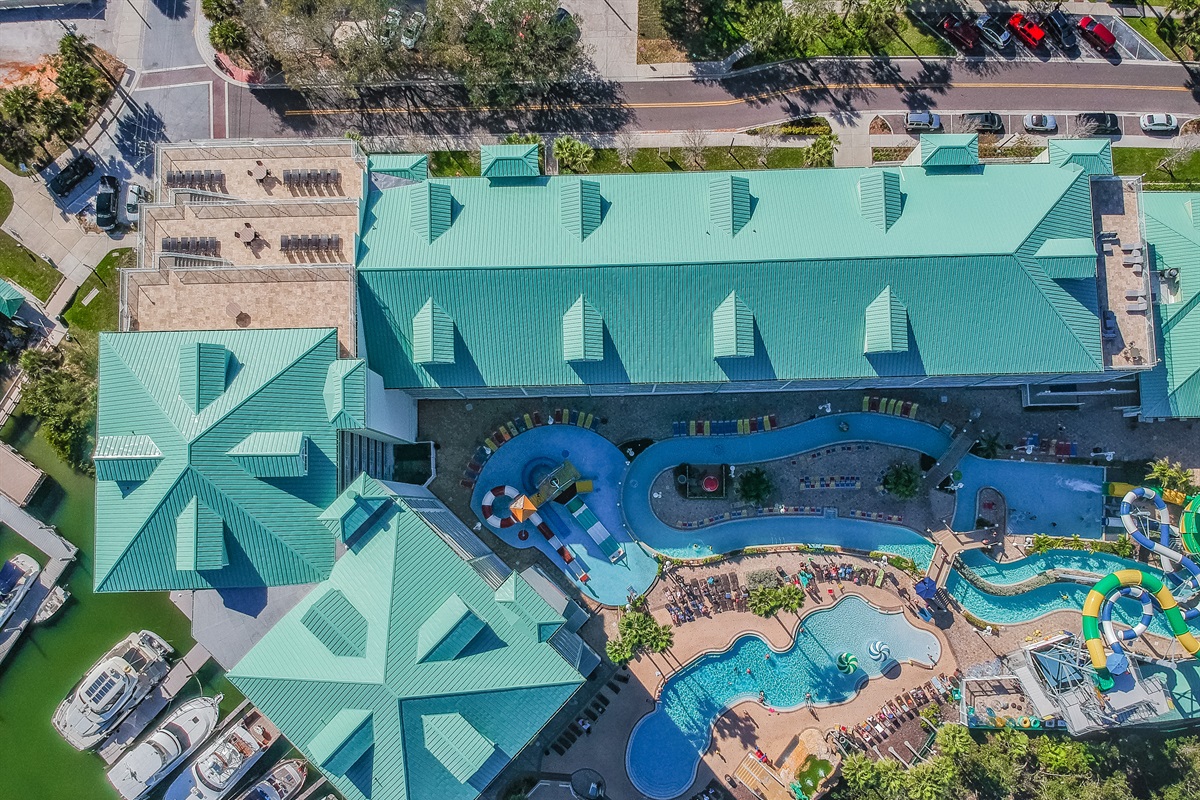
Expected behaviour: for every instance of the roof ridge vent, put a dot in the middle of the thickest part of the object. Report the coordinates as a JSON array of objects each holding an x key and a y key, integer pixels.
[
  {"x": 733, "y": 329},
  {"x": 879, "y": 198},
  {"x": 583, "y": 332},
  {"x": 430, "y": 210},
  {"x": 579, "y": 206},
  {"x": 887, "y": 324},
  {"x": 729, "y": 203},
  {"x": 433, "y": 335},
  {"x": 203, "y": 367}
]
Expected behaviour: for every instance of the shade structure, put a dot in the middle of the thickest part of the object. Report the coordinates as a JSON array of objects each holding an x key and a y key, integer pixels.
[
  {"x": 522, "y": 508},
  {"x": 879, "y": 651},
  {"x": 847, "y": 663},
  {"x": 926, "y": 588},
  {"x": 710, "y": 483},
  {"x": 1117, "y": 663}
]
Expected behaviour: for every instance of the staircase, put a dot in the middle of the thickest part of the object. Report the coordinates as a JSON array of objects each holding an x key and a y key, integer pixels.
[{"x": 959, "y": 447}]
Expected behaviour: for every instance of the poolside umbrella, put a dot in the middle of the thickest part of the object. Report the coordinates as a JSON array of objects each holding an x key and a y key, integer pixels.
[
  {"x": 879, "y": 651},
  {"x": 847, "y": 663},
  {"x": 1117, "y": 663},
  {"x": 926, "y": 588},
  {"x": 522, "y": 508}
]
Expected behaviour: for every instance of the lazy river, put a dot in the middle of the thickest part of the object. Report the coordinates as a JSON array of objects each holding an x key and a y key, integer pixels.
[{"x": 665, "y": 746}]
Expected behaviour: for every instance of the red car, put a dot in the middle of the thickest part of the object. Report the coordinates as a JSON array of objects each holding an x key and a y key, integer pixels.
[
  {"x": 1097, "y": 34},
  {"x": 1026, "y": 30},
  {"x": 959, "y": 31}
]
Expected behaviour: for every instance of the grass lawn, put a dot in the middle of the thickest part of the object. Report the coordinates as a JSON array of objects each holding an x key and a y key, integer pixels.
[
  {"x": 453, "y": 163},
  {"x": 1148, "y": 28},
  {"x": 86, "y": 322},
  {"x": 18, "y": 264},
  {"x": 1144, "y": 161},
  {"x": 648, "y": 159},
  {"x": 911, "y": 39}
]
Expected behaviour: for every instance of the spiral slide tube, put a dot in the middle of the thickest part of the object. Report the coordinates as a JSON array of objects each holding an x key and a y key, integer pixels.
[{"x": 1097, "y": 607}]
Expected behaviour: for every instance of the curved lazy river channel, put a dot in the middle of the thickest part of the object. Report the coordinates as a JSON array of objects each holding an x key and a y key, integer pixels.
[{"x": 665, "y": 746}]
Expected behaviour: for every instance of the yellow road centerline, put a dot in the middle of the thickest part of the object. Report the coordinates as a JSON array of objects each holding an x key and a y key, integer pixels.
[{"x": 732, "y": 101}]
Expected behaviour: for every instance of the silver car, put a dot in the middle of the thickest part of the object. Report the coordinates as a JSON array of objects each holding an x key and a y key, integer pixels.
[
  {"x": 922, "y": 121},
  {"x": 1158, "y": 123},
  {"x": 1040, "y": 123}
]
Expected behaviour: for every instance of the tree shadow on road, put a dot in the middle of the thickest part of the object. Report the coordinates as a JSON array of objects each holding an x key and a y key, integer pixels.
[
  {"x": 172, "y": 9},
  {"x": 137, "y": 132}
]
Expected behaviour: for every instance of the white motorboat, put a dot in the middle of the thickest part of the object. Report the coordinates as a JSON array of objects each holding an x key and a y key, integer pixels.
[
  {"x": 53, "y": 603},
  {"x": 180, "y": 735},
  {"x": 219, "y": 767},
  {"x": 16, "y": 576},
  {"x": 280, "y": 783},
  {"x": 111, "y": 688}
]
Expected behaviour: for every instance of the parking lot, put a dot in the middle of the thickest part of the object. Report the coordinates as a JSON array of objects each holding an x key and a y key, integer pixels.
[
  {"x": 1129, "y": 45},
  {"x": 1067, "y": 126}
]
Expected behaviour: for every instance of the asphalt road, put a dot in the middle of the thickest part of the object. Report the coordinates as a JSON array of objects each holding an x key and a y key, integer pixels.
[{"x": 848, "y": 90}]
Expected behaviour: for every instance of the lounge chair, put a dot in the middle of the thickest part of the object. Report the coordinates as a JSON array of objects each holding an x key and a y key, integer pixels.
[
  {"x": 1135, "y": 307},
  {"x": 866, "y": 402},
  {"x": 874, "y": 404}
]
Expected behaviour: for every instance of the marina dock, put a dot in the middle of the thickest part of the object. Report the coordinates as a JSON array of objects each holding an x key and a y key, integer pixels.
[
  {"x": 146, "y": 712},
  {"x": 61, "y": 554}
]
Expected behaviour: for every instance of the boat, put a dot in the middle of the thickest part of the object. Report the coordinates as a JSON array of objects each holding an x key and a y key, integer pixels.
[
  {"x": 16, "y": 576},
  {"x": 216, "y": 771},
  {"x": 51, "y": 605},
  {"x": 179, "y": 735},
  {"x": 111, "y": 688},
  {"x": 281, "y": 783}
]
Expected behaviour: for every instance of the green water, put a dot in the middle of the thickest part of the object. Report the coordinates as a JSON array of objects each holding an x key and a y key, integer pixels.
[{"x": 34, "y": 761}]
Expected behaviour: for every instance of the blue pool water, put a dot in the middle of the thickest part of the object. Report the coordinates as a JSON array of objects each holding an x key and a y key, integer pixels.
[
  {"x": 666, "y": 745},
  {"x": 597, "y": 458},
  {"x": 758, "y": 447},
  {"x": 1009, "y": 572},
  {"x": 1059, "y": 499}
]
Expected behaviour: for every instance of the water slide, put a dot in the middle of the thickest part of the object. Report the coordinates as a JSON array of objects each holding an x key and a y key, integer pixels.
[
  {"x": 561, "y": 548},
  {"x": 595, "y": 528},
  {"x": 1139, "y": 585}
]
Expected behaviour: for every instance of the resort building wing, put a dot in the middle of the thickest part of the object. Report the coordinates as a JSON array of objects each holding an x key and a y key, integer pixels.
[
  {"x": 411, "y": 672},
  {"x": 215, "y": 454},
  {"x": 942, "y": 273}
]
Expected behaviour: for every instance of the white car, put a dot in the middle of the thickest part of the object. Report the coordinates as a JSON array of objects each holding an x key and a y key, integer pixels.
[
  {"x": 1040, "y": 123},
  {"x": 1158, "y": 123}
]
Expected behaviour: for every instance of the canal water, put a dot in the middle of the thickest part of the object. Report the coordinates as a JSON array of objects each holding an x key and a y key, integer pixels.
[{"x": 34, "y": 761}]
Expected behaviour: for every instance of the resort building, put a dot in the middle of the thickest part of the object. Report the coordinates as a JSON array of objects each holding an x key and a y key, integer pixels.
[{"x": 411, "y": 672}]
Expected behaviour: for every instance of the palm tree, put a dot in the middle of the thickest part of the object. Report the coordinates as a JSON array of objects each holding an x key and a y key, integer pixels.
[
  {"x": 755, "y": 486},
  {"x": 618, "y": 651},
  {"x": 820, "y": 153},
  {"x": 988, "y": 446},
  {"x": 954, "y": 740},
  {"x": 861, "y": 775},
  {"x": 764, "y": 601},
  {"x": 21, "y": 103},
  {"x": 790, "y": 597},
  {"x": 662, "y": 638},
  {"x": 902, "y": 480},
  {"x": 1170, "y": 475},
  {"x": 573, "y": 154},
  {"x": 59, "y": 117}
]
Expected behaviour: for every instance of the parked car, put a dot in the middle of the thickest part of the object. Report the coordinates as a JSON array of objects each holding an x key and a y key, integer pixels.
[
  {"x": 1158, "y": 123},
  {"x": 136, "y": 195},
  {"x": 993, "y": 31},
  {"x": 1040, "y": 123},
  {"x": 413, "y": 29},
  {"x": 1097, "y": 34},
  {"x": 983, "y": 121},
  {"x": 922, "y": 121},
  {"x": 962, "y": 33},
  {"x": 74, "y": 172},
  {"x": 106, "y": 203},
  {"x": 1058, "y": 25},
  {"x": 1102, "y": 124},
  {"x": 1026, "y": 30}
]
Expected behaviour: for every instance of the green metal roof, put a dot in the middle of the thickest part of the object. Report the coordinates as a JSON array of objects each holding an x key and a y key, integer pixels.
[
  {"x": 579, "y": 207},
  {"x": 729, "y": 202},
  {"x": 272, "y": 454},
  {"x": 948, "y": 150},
  {"x": 733, "y": 329},
  {"x": 1093, "y": 155},
  {"x": 368, "y": 720},
  {"x": 880, "y": 200},
  {"x": 1172, "y": 389},
  {"x": 807, "y": 255},
  {"x": 203, "y": 368},
  {"x": 433, "y": 335},
  {"x": 346, "y": 393},
  {"x": 274, "y": 384},
  {"x": 125, "y": 458},
  {"x": 509, "y": 161},
  {"x": 199, "y": 539},
  {"x": 1068, "y": 258},
  {"x": 429, "y": 210},
  {"x": 583, "y": 332},
  {"x": 336, "y": 623},
  {"x": 413, "y": 166},
  {"x": 886, "y": 324},
  {"x": 10, "y": 299},
  {"x": 361, "y": 505}
]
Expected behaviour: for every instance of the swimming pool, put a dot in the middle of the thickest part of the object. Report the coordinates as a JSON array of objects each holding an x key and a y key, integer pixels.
[
  {"x": 758, "y": 447},
  {"x": 1042, "y": 497},
  {"x": 665, "y": 746},
  {"x": 515, "y": 464},
  {"x": 1010, "y": 572}
]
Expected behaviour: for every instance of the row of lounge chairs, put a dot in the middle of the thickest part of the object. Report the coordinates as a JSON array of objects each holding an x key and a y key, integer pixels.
[
  {"x": 316, "y": 243},
  {"x": 592, "y": 712},
  {"x": 842, "y": 448},
  {"x": 723, "y": 427},
  {"x": 195, "y": 179},
  {"x": 831, "y": 482},
  {"x": 793, "y": 511},
  {"x": 1032, "y": 443},
  {"x": 876, "y": 729},
  {"x": 877, "y": 516},
  {"x": 890, "y": 405},
  {"x": 690, "y": 600},
  {"x": 311, "y": 178},
  {"x": 191, "y": 245},
  {"x": 518, "y": 425}
]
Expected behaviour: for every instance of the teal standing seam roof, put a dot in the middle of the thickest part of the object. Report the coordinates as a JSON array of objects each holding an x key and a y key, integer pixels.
[
  {"x": 364, "y": 720},
  {"x": 509, "y": 161},
  {"x": 949, "y": 149},
  {"x": 448, "y": 631},
  {"x": 880, "y": 200},
  {"x": 202, "y": 373},
  {"x": 275, "y": 384},
  {"x": 583, "y": 332},
  {"x": 733, "y": 329},
  {"x": 886, "y": 324},
  {"x": 729, "y": 202},
  {"x": 337, "y": 624},
  {"x": 10, "y": 299},
  {"x": 272, "y": 454},
  {"x": 579, "y": 207},
  {"x": 1172, "y": 388},
  {"x": 430, "y": 210},
  {"x": 433, "y": 335},
  {"x": 200, "y": 539},
  {"x": 1093, "y": 155},
  {"x": 807, "y": 247},
  {"x": 1068, "y": 258},
  {"x": 412, "y": 166},
  {"x": 346, "y": 393},
  {"x": 125, "y": 458}
]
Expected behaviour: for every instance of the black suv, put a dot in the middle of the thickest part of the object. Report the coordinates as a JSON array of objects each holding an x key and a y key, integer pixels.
[
  {"x": 983, "y": 121},
  {"x": 1098, "y": 123},
  {"x": 106, "y": 203},
  {"x": 74, "y": 172},
  {"x": 1058, "y": 25}
]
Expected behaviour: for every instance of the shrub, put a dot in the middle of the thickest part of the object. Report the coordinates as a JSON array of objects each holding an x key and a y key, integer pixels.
[
  {"x": 902, "y": 480},
  {"x": 228, "y": 36},
  {"x": 762, "y": 578},
  {"x": 523, "y": 138},
  {"x": 1172, "y": 476},
  {"x": 755, "y": 486},
  {"x": 218, "y": 10},
  {"x": 63, "y": 395},
  {"x": 932, "y": 714}
]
